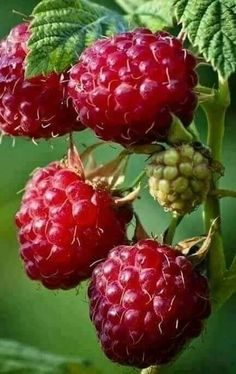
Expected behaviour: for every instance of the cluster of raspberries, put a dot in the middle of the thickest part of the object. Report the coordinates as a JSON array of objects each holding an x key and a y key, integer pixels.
[
  {"x": 125, "y": 88},
  {"x": 146, "y": 299}
]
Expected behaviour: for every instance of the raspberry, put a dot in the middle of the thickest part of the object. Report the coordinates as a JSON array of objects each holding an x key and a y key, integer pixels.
[
  {"x": 66, "y": 226},
  {"x": 36, "y": 107},
  {"x": 180, "y": 178},
  {"x": 147, "y": 302},
  {"x": 126, "y": 87}
]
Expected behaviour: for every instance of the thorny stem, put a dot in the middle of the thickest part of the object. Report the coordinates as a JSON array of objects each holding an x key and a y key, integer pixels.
[{"x": 215, "y": 110}]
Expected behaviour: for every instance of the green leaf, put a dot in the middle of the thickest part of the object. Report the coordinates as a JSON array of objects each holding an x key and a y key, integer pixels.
[
  {"x": 224, "y": 291},
  {"x": 233, "y": 266},
  {"x": 154, "y": 14},
  {"x": 61, "y": 29},
  {"x": 130, "y": 6},
  {"x": 211, "y": 26},
  {"x": 16, "y": 358}
]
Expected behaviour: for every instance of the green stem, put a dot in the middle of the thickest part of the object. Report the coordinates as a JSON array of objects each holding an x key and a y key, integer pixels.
[
  {"x": 215, "y": 111},
  {"x": 223, "y": 193},
  {"x": 204, "y": 90},
  {"x": 170, "y": 232}
]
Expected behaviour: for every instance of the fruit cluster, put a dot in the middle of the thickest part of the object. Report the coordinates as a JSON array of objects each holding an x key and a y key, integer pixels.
[{"x": 146, "y": 298}]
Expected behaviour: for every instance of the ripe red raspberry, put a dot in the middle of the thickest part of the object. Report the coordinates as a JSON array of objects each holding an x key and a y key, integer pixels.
[
  {"x": 126, "y": 87},
  {"x": 66, "y": 225},
  {"x": 146, "y": 302},
  {"x": 38, "y": 107}
]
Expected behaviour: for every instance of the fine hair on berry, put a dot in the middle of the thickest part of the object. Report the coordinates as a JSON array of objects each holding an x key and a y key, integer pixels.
[
  {"x": 127, "y": 87},
  {"x": 147, "y": 302},
  {"x": 38, "y": 107},
  {"x": 66, "y": 225}
]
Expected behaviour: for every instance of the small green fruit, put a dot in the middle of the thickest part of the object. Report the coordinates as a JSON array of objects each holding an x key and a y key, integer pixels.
[{"x": 180, "y": 178}]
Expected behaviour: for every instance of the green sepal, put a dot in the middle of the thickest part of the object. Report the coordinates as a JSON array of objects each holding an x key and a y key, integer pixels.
[{"x": 178, "y": 133}]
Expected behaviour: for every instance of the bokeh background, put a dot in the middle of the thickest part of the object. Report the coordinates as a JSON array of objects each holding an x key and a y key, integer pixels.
[{"x": 59, "y": 322}]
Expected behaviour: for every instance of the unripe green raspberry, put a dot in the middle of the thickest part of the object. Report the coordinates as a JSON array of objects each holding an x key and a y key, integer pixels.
[{"x": 180, "y": 178}]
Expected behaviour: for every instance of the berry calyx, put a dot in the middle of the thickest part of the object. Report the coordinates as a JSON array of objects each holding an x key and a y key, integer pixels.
[
  {"x": 147, "y": 302},
  {"x": 125, "y": 88},
  {"x": 180, "y": 178},
  {"x": 66, "y": 225},
  {"x": 37, "y": 107}
]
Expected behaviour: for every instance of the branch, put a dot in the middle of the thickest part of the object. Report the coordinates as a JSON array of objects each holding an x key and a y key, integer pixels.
[
  {"x": 170, "y": 232},
  {"x": 223, "y": 193},
  {"x": 215, "y": 110}
]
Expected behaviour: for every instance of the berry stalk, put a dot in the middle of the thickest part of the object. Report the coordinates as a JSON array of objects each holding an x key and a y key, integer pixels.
[
  {"x": 151, "y": 370},
  {"x": 156, "y": 369},
  {"x": 170, "y": 233},
  {"x": 220, "y": 193},
  {"x": 215, "y": 110}
]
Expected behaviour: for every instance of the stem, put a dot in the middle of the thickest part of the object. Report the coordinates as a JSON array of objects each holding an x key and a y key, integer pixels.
[
  {"x": 205, "y": 90},
  {"x": 215, "y": 111},
  {"x": 170, "y": 232},
  {"x": 160, "y": 369},
  {"x": 223, "y": 193},
  {"x": 71, "y": 140},
  {"x": 151, "y": 370},
  {"x": 205, "y": 94}
]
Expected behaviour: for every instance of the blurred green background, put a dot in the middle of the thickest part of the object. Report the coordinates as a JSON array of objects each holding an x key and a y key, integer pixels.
[{"x": 59, "y": 322}]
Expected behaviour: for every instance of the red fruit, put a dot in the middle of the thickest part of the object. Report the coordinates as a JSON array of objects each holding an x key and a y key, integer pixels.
[
  {"x": 66, "y": 226},
  {"x": 38, "y": 107},
  {"x": 146, "y": 302},
  {"x": 126, "y": 87}
]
